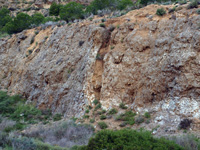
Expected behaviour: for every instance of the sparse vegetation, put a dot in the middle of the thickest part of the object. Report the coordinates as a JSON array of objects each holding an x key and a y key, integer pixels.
[
  {"x": 57, "y": 134},
  {"x": 188, "y": 141},
  {"x": 99, "y": 57},
  {"x": 111, "y": 28}
]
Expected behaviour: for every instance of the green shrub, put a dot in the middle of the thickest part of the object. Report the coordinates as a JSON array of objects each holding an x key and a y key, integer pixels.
[
  {"x": 99, "y": 5},
  {"x": 128, "y": 139},
  {"x": 57, "y": 117},
  {"x": 112, "y": 111},
  {"x": 3, "y": 34},
  {"x": 144, "y": 2},
  {"x": 147, "y": 115},
  {"x": 102, "y": 125},
  {"x": 37, "y": 18},
  {"x": 160, "y": 12},
  {"x": 131, "y": 121},
  {"x": 128, "y": 117},
  {"x": 103, "y": 111},
  {"x": 124, "y": 3},
  {"x": 193, "y": 4},
  {"x": 122, "y": 106},
  {"x": 147, "y": 121},
  {"x": 97, "y": 107},
  {"x": 87, "y": 111},
  {"x": 8, "y": 103},
  {"x": 102, "y": 25},
  {"x": 71, "y": 11},
  {"x": 99, "y": 57},
  {"x": 103, "y": 20},
  {"x": 99, "y": 112},
  {"x": 92, "y": 120},
  {"x": 95, "y": 101},
  {"x": 86, "y": 116},
  {"x": 102, "y": 117},
  {"x": 54, "y": 9},
  {"x": 21, "y": 21},
  {"x": 47, "y": 19},
  {"x": 4, "y": 17},
  {"x": 26, "y": 112}
]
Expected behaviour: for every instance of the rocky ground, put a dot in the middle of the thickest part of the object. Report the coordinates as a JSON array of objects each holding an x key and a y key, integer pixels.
[{"x": 148, "y": 62}]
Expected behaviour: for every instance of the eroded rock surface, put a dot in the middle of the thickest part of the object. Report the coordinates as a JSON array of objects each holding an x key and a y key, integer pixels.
[{"x": 150, "y": 63}]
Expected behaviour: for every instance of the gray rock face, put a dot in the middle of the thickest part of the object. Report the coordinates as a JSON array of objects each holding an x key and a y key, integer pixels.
[{"x": 54, "y": 74}]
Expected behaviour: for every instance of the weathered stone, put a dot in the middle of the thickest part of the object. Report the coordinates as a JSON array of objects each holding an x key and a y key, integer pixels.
[{"x": 152, "y": 66}]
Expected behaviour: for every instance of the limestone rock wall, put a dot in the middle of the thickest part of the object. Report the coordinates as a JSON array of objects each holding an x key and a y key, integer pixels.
[
  {"x": 55, "y": 73},
  {"x": 148, "y": 62}
]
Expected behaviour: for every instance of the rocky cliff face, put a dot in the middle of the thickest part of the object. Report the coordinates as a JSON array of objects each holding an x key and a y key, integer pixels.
[{"x": 150, "y": 63}]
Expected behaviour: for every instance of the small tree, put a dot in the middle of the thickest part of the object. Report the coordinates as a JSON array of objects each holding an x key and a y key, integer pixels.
[
  {"x": 9, "y": 27},
  {"x": 37, "y": 18},
  {"x": 100, "y": 4},
  {"x": 54, "y": 9},
  {"x": 4, "y": 17},
  {"x": 22, "y": 21},
  {"x": 71, "y": 11},
  {"x": 124, "y": 3}
]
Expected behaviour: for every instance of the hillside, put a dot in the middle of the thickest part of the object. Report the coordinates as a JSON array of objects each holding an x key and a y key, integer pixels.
[{"x": 148, "y": 62}]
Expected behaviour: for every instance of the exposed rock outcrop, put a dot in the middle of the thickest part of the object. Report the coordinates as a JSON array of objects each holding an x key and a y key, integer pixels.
[{"x": 150, "y": 63}]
